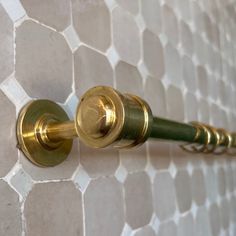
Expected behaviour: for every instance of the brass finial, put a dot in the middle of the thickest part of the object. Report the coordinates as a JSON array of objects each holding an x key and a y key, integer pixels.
[{"x": 104, "y": 118}]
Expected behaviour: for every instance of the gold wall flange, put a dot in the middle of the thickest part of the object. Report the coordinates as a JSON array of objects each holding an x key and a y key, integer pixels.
[{"x": 32, "y": 133}]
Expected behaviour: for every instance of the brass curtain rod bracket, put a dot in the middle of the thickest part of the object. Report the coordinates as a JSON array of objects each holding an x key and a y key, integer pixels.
[{"x": 105, "y": 117}]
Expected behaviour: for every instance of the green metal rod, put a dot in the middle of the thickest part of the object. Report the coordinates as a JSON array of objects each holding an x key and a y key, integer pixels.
[
  {"x": 176, "y": 131},
  {"x": 172, "y": 130}
]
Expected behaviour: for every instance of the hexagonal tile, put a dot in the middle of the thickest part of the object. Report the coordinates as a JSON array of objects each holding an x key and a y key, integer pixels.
[
  {"x": 22, "y": 182},
  {"x": 214, "y": 114},
  {"x": 173, "y": 65},
  {"x": 7, "y": 45},
  {"x": 229, "y": 179},
  {"x": 155, "y": 95},
  {"x": 130, "y": 5},
  {"x": 151, "y": 12},
  {"x": 232, "y": 210},
  {"x": 200, "y": 49},
  {"x": 159, "y": 154},
  {"x": 214, "y": 217},
  {"x": 175, "y": 103},
  {"x": 55, "y": 14},
  {"x": 138, "y": 199},
  {"x": 183, "y": 190},
  {"x": 197, "y": 16},
  {"x": 91, "y": 69},
  {"x": 103, "y": 205},
  {"x": 213, "y": 60},
  {"x": 126, "y": 76},
  {"x": 203, "y": 111},
  {"x": 216, "y": 35},
  {"x": 184, "y": 9},
  {"x": 208, "y": 27},
  {"x": 170, "y": 26},
  {"x": 8, "y": 155},
  {"x": 186, "y": 38},
  {"x": 202, "y": 225},
  {"x": 167, "y": 229},
  {"x": 10, "y": 217},
  {"x": 55, "y": 206},
  {"x": 91, "y": 20},
  {"x": 223, "y": 93},
  {"x": 145, "y": 231},
  {"x": 43, "y": 62},
  {"x": 198, "y": 187},
  {"x": 191, "y": 107},
  {"x": 153, "y": 54},
  {"x": 221, "y": 180},
  {"x": 126, "y": 37},
  {"x": 186, "y": 225},
  {"x": 202, "y": 81},
  {"x": 134, "y": 159},
  {"x": 164, "y": 195},
  {"x": 99, "y": 162},
  {"x": 179, "y": 157},
  {"x": 188, "y": 73},
  {"x": 224, "y": 213}
]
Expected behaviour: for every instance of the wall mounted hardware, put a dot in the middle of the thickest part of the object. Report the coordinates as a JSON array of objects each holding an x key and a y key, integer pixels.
[{"x": 105, "y": 117}]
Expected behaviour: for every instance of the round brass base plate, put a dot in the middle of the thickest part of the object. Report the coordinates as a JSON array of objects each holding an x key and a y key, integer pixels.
[{"x": 27, "y": 133}]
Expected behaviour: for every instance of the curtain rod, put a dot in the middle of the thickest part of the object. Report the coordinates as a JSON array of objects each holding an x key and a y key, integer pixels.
[{"x": 107, "y": 118}]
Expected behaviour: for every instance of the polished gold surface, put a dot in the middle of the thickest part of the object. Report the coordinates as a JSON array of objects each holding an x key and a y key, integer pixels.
[
  {"x": 32, "y": 133},
  {"x": 58, "y": 131},
  {"x": 106, "y": 117},
  {"x": 95, "y": 116}
]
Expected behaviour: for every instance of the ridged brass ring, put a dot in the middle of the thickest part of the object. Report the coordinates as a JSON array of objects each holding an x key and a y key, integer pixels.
[
  {"x": 224, "y": 135},
  {"x": 216, "y": 136},
  {"x": 192, "y": 147},
  {"x": 208, "y": 137},
  {"x": 228, "y": 151},
  {"x": 188, "y": 147}
]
